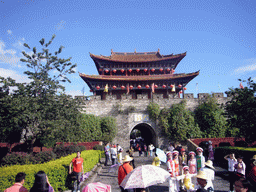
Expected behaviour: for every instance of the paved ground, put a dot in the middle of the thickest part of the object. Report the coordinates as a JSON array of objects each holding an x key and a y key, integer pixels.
[{"x": 220, "y": 183}]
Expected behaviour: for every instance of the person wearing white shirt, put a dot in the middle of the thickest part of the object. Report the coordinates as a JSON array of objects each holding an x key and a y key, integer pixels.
[
  {"x": 231, "y": 168},
  {"x": 209, "y": 171}
]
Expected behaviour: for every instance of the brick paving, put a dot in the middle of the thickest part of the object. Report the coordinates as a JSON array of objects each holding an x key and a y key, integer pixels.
[{"x": 220, "y": 183}]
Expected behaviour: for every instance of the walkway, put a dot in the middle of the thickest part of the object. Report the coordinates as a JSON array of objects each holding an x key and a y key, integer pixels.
[{"x": 220, "y": 183}]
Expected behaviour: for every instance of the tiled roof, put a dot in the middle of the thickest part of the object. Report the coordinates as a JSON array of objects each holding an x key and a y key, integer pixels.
[
  {"x": 137, "y": 57},
  {"x": 138, "y": 78}
]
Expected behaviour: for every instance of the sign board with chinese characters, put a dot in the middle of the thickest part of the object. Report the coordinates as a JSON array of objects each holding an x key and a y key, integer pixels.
[{"x": 141, "y": 117}]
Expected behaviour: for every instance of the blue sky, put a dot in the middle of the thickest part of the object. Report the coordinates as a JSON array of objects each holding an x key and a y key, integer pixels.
[{"x": 218, "y": 36}]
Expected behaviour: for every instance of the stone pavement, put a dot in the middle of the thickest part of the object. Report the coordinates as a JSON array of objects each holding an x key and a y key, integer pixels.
[{"x": 220, "y": 183}]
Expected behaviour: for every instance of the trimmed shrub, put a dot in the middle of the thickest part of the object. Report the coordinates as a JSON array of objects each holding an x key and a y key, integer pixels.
[
  {"x": 57, "y": 171},
  {"x": 43, "y": 157},
  {"x": 99, "y": 147},
  {"x": 82, "y": 148},
  {"x": 17, "y": 158}
]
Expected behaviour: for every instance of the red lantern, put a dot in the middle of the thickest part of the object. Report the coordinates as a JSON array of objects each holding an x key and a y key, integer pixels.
[
  {"x": 171, "y": 86},
  {"x": 114, "y": 87},
  {"x": 130, "y": 70},
  {"x": 122, "y": 70},
  {"x": 138, "y": 70},
  {"x": 145, "y": 69},
  {"x": 180, "y": 92},
  {"x": 131, "y": 87},
  {"x": 147, "y": 86},
  {"x": 179, "y": 85},
  {"x": 164, "y": 86},
  {"x": 168, "y": 69},
  {"x": 100, "y": 69},
  {"x": 122, "y": 87},
  {"x": 139, "y": 86},
  {"x": 152, "y": 69},
  {"x": 156, "y": 86},
  {"x": 161, "y": 69},
  {"x": 172, "y": 71},
  {"x": 114, "y": 70},
  {"x": 185, "y": 88},
  {"x": 91, "y": 90},
  {"x": 106, "y": 70},
  {"x": 98, "y": 87}
]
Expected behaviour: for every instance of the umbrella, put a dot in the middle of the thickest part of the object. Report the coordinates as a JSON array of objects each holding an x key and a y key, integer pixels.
[
  {"x": 97, "y": 187},
  {"x": 161, "y": 154},
  {"x": 144, "y": 176}
]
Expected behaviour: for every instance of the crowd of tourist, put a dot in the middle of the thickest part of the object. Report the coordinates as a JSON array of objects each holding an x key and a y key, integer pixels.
[{"x": 189, "y": 171}]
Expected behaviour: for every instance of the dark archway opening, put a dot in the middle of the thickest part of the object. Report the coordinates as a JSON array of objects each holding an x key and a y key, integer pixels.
[{"x": 143, "y": 134}]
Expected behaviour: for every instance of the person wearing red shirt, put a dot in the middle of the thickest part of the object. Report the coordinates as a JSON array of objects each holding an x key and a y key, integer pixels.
[
  {"x": 78, "y": 169},
  {"x": 18, "y": 185},
  {"x": 123, "y": 170},
  {"x": 252, "y": 173}
]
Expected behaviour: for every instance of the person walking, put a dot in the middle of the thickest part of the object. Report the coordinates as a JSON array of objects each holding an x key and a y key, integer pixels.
[
  {"x": 107, "y": 154},
  {"x": 210, "y": 151},
  {"x": 231, "y": 168},
  {"x": 113, "y": 152},
  {"x": 156, "y": 161},
  {"x": 119, "y": 153},
  {"x": 18, "y": 185},
  {"x": 145, "y": 150},
  {"x": 151, "y": 148},
  {"x": 41, "y": 183},
  {"x": 78, "y": 169},
  {"x": 123, "y": 170}
]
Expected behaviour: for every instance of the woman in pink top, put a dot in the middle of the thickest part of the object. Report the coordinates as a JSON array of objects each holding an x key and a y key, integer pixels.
[{"x": 192, "y": 162}]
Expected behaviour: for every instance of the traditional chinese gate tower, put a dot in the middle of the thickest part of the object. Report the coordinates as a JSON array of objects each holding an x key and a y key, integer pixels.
[{"x": 137, "y": 73}]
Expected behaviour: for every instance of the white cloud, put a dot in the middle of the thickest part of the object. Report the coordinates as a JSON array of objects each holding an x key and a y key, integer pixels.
[
  {"x": 8, "y": 55},
  {"x": 249, "y": 65},
  {"x": 247, "y": 68},
  {"x": 9, "y": 32},
  {"x": 14, "y": 75},
  {"x": 74, "y": 93}
]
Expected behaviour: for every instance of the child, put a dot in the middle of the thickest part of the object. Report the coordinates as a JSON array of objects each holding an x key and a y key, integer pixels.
[
  {"x": 192, "y": 162},
  {"x": 187, "y": 179},
  {"x": 240, "y": 166},
  {"x": 176, "y": 163},
  {"x": 200, "y": 159}
]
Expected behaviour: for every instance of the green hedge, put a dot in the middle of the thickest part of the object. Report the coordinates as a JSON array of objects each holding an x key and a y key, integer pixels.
[
  {"x": 221, "y": 152},
  {"x": 57, "y": 171}
]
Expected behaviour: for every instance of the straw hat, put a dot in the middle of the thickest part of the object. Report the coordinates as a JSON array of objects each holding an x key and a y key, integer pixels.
[
  {"x": 201, "y": 175},
  {"x": 169, "y": 153},
  {"x": 175, "y": 152},
  {"x": 182, "y": 149},
  {"x": 199, "y": 149},
  {"x": 127, "y": 158},
  {"x": 192, "y": 152},
  {"x": 254, "y": 157},
  {"x": 209, "y": 164}
]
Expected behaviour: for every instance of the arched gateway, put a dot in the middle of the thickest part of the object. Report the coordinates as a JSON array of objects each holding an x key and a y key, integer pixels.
[
  {"x": 128, "y": 82},
  {"x": 146, "y": 132}
]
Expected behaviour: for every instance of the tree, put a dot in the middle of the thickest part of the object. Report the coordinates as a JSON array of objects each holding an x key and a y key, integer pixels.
[
  {"x": 38, "y": 109},
  {"x": 108, "y": 128},
  {"x": 178, "y": 123},
  {"x": 210, "y": 118},
  {"x": 241, "y": 110}
]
